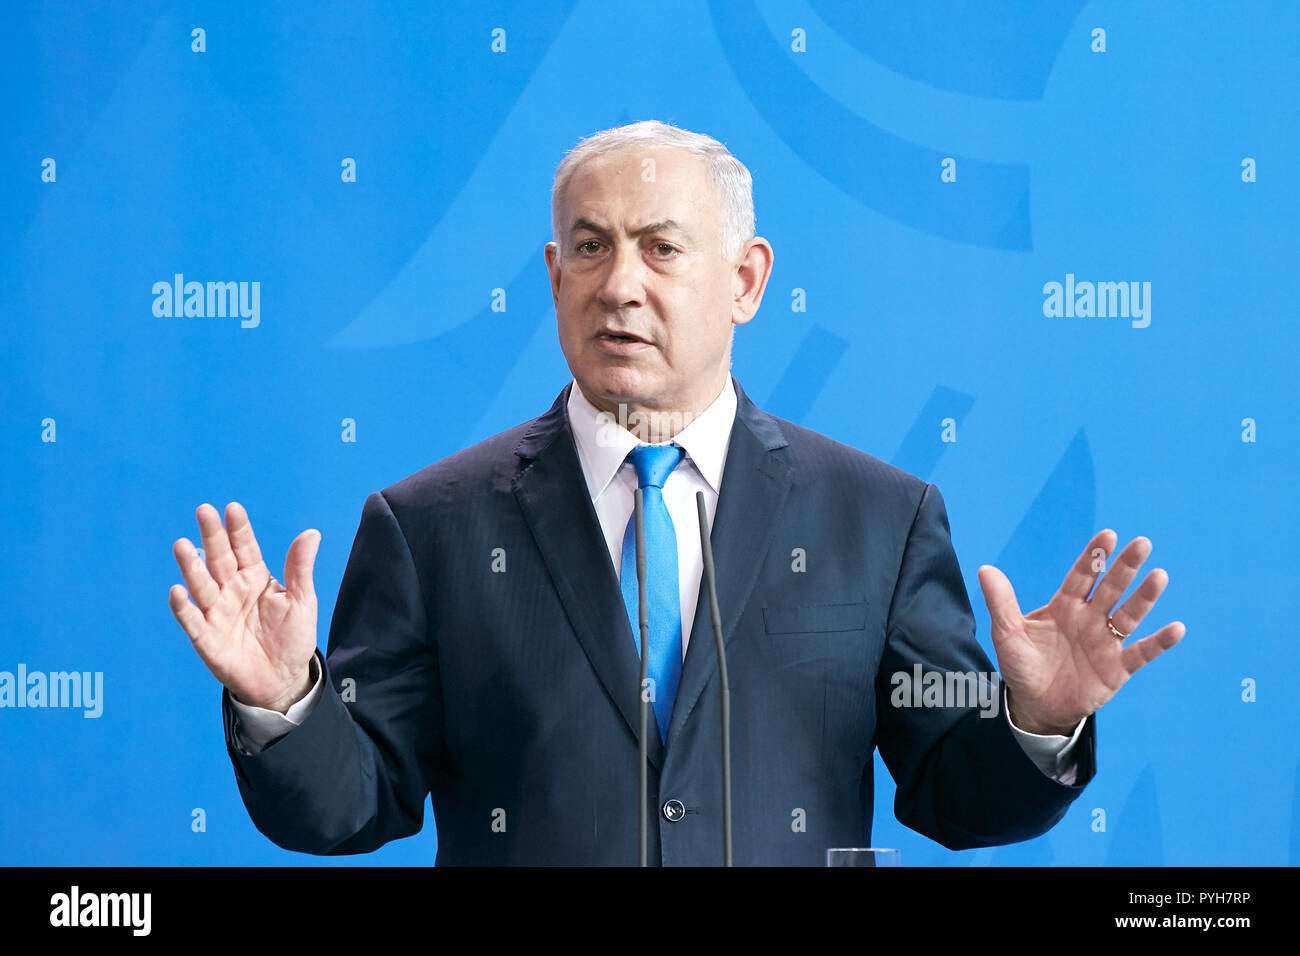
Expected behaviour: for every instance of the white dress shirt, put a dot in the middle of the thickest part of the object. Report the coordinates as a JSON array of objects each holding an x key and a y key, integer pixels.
[{"x": 603, "y": 446}]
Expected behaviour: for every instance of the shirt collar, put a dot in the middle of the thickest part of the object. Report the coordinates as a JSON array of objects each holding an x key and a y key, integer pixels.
[{"x": 604, "y": 444}]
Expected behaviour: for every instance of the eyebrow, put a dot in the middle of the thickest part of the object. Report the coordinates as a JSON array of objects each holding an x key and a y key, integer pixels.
[{"x": 663, "y": 225}]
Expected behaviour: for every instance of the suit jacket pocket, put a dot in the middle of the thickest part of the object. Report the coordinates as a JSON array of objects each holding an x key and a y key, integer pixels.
[{"x": 815, "y": 618}]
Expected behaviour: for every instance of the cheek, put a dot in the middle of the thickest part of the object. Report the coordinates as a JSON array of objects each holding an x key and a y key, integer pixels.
[
  {"x": 567, "y": 315},
  {"x": 573, "y": 302}
]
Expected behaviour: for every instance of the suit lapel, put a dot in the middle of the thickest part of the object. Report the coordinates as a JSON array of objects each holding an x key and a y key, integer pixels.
[
  {"x": 755, "y": 484},
  {"x": 552, "y": 494}
]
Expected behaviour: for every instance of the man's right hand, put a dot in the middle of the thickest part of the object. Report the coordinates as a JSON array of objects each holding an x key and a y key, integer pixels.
[{"x": 256, "y": 635}]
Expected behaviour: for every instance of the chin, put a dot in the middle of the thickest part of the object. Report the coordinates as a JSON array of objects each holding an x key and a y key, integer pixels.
[{"x": 618, "y": 383}]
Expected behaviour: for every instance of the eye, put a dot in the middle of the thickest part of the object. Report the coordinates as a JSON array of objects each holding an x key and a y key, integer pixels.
[
  {"x": 665, "y": 249},
  {"x": 589, "y": 242}
]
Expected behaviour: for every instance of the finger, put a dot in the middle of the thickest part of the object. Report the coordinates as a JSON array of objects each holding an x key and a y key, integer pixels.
[
  {"x": 242, "y": 541},
  {"x": 1152, "y": 646},
  {"x": 1083, "y": 573},
  {"x": 203, "y": 589},
  {"x": 216, "y": 545},
  {"x": 1121, "y": 574},
  {"x": 1129, "y": 615},
  {"x": 187, "y": 615},
  {"x": 298, "y": 564},
  {"x": 1000, "y": 596}
]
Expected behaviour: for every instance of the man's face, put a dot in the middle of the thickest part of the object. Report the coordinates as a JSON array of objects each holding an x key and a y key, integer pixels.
[{"x": 644, "y": 301}]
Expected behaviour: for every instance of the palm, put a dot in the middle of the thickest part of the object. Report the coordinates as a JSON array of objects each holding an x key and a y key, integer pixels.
[
  {"x": 255, "y": 634},
  {"x": 252, "y": 638},
  {"x": 1061, "y": 662}
]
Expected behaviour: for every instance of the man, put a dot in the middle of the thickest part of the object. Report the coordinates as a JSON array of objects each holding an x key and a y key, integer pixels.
[{"x": 482, "y": 648}]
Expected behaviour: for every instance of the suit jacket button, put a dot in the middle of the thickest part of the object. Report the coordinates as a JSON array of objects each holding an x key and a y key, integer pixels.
[{"x": 674, "y": 810}]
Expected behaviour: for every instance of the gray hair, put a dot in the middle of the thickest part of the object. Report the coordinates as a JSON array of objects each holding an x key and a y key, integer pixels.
[{"x": 731, "y": 180}]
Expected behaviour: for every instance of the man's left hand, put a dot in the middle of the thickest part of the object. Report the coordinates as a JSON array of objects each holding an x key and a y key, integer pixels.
[{"x": 1062, "y": 662}]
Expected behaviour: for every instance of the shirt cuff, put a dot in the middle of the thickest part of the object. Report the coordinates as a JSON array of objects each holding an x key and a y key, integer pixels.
[
  {"x": 256, "y": 728},
  {"x": 1053, "y": 754}
]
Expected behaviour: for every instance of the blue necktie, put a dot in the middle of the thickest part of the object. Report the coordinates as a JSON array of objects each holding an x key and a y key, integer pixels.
[{"x": 654, "y": 463}]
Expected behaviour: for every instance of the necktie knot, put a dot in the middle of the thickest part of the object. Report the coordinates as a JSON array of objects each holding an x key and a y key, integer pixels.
[{"x": 654, "y": 463}]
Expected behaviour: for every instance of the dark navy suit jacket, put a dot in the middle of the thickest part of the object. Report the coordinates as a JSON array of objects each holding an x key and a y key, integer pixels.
[{"x": 511, "y": 695}]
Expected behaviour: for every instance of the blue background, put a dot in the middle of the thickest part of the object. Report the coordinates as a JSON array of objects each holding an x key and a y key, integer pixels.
[{"x": 925, "y": 301}]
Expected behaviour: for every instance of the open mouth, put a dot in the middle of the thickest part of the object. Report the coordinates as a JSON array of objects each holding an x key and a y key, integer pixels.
[
  {"x": 619, "y": 338},
  {"x": 620, "y": 344}
]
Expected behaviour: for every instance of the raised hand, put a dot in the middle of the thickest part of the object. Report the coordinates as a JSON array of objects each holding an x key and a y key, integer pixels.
[
  {"x": 256, "y": 635},
  {"x": 1063, "y": 661}
]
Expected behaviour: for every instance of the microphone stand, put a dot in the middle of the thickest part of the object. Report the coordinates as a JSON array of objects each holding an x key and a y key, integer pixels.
[
  {"x": 724, "y": 688},
  {"x": 643, "y": 706},
  {"x": 724, "y": 685}
]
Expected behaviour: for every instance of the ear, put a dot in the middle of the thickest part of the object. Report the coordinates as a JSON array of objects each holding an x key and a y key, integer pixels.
[
  {"x": 750, "y": 279},
  {"x": 552, "y": 256}
]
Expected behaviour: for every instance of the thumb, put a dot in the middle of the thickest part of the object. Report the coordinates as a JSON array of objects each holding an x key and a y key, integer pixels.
[
  {"x": 298, "y": 564},
  {"x": 1000, "y": 596}
]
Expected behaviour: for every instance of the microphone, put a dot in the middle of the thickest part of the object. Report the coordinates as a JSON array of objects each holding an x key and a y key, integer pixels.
[
  {"x": 724, "y": 688},
  {"x": 643, "y": 707}
]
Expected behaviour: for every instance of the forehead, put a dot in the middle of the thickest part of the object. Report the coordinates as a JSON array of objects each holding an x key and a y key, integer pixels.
[{"x": 641, "y": 183}]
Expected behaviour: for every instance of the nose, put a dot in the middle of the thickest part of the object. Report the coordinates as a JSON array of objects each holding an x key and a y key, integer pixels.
[{"x": 623, "y": 286}]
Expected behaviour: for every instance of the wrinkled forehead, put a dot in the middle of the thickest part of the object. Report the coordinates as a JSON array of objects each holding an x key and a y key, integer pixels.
[{"x": 634, "y": 184}]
